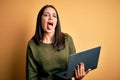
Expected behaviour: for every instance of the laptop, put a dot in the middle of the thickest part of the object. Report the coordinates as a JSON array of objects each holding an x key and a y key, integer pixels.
[{"x": 88, "y": 57}]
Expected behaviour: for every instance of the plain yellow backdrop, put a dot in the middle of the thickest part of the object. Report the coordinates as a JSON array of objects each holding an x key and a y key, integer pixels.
[{"x": 91, "y": 23}]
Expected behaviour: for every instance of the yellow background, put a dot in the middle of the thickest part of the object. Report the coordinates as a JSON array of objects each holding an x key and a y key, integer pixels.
[{"x": 91, "y": 23}]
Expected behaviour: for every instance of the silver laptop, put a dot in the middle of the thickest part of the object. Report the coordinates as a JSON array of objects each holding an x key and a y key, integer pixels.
[{"x": 89, "y": 58}]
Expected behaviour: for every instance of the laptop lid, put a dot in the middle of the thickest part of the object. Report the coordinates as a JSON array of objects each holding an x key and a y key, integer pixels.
[{"x": 88, "y": 57}]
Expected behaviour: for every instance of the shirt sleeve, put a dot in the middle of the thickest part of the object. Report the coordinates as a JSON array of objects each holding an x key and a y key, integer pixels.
[
  {"x": 31, "y": 67},
  {"x": 72, "y": 49}
]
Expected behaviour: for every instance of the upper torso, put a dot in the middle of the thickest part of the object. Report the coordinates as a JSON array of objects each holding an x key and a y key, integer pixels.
[{"x": 48, "y": 60}]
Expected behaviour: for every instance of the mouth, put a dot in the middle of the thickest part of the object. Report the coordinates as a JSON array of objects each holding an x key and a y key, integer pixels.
[{"x": 50, "y": 23}]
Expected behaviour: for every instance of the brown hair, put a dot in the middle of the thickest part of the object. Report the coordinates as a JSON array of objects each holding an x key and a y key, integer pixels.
[{"x": 59, "y": 39}]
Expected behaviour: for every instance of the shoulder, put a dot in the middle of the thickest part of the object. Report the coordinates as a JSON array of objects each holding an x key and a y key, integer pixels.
[
  {"x": 67, "y": 36},
  {"x": 31, "y": 43}
]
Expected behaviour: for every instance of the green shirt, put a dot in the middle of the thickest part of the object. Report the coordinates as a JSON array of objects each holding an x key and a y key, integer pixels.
[{"x": 42, "y": 60}]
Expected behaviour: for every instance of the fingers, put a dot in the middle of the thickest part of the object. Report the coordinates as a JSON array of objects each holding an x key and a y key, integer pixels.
[
  {"x": 80, "y": 71},
  {"x": 76, "y": 74}
]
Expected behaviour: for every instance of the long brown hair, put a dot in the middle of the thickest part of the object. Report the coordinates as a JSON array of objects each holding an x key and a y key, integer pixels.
[{"x": 59, "y": 37}]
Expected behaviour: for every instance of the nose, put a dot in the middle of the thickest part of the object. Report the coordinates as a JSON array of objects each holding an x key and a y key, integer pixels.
[{"x": 50, "y": 17}]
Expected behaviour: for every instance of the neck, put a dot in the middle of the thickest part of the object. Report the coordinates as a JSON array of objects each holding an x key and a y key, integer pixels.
[{"x": 48, "y": 38}]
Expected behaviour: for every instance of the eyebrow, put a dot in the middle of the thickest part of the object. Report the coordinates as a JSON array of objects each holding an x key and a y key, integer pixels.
[{"x": 49, "y": 13}]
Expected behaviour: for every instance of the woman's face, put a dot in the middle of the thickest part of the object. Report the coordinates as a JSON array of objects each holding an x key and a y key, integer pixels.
[{"x": 49, "y": 20}]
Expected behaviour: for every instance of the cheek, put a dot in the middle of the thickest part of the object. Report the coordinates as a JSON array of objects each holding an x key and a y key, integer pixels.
[
  {"x": 55, "y": 22},
  {"x": 43, "y": 22}
]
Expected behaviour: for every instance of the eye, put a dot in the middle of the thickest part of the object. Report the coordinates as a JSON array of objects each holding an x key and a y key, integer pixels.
[
  {"x": 54, "y": 16},
  {"x": 46, "y": 14}
]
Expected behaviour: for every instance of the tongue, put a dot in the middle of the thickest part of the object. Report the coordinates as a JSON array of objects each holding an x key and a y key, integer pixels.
[{"x": 49, "y": 26}]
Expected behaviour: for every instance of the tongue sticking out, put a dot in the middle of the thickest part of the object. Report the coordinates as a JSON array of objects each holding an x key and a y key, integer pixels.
[{"x": 50, "y": 25}]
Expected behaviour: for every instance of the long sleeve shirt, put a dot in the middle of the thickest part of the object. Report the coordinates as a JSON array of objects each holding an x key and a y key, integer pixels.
[{"x": 43, "y": 60}]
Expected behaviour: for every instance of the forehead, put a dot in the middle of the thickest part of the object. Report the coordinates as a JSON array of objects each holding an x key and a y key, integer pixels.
[{"x": 50, "y": 10}]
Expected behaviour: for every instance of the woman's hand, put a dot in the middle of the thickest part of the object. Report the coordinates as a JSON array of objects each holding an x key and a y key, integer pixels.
[{"x": 80, "y": 71}]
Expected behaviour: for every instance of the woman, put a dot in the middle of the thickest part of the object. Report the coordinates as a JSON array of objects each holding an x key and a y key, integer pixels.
[{"x": 48, "y": 50}]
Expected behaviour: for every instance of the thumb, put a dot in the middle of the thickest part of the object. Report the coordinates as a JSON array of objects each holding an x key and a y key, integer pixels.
[{"x": 88, "y": 71}]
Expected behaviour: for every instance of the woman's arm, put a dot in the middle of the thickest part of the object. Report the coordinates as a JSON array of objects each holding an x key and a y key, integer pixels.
[
  {"x": 72, "y": 49},
  {"x": 31, "y": 68}
]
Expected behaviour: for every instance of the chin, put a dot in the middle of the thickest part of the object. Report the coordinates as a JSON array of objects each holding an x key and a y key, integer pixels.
[{"x": 50, "y": 31}]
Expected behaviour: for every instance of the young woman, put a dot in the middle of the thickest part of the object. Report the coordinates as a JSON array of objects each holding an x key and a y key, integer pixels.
[{"x": 48, "y": 50}]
